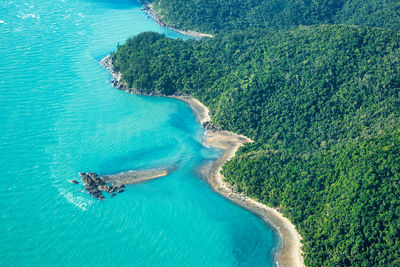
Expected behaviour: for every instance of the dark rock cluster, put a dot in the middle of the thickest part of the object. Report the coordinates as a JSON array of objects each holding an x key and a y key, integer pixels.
[
  {"x": 119, "y": 85},
  {"x": 95, "y": 184},
  {"x": 157, "y": 18},
  {"x": 209, "y": 126}
]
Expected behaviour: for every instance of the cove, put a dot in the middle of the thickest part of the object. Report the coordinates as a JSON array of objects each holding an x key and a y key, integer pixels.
[{"x": 60, "y": 116}]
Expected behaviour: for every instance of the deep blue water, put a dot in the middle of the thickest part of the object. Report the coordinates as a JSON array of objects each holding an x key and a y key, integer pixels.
[{"x": 60, "y": 116}]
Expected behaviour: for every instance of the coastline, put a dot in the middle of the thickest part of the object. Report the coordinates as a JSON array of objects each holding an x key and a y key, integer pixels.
[
  {"x": 148, "y": 8},
  {"x": 289, "y": 254}
]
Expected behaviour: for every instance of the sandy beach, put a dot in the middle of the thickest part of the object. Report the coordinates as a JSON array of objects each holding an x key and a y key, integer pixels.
[{"x": 290, "y": 252}]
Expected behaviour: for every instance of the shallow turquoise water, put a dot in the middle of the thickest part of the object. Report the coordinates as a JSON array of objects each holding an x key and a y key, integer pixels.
[{"x": 59, "y": 116}]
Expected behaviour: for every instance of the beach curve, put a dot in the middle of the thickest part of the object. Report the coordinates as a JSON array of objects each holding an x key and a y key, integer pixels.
[{"x": 289, "y": 253}]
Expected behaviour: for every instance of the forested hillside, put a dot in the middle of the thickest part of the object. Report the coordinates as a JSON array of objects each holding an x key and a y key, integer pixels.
[
  {"x": 215, "y": 16},
  {"x": 323, "y": 106}
]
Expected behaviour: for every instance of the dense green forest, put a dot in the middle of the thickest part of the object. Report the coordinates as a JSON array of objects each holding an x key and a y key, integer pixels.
[
  {"x": 214, "y": 16},
  {"x": 322, "y": 104}
]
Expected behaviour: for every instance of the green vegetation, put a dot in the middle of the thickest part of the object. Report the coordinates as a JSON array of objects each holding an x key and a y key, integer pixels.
[
  {"x": 322, "y": 104},
  {"x": 344, "y": 200},
  {"x": 214, "y": 16}
]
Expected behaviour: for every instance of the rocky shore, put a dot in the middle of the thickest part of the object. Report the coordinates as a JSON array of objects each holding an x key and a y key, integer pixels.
[
  {"x": 148, "y": 8},
  {"x": 118, "y": 83}
]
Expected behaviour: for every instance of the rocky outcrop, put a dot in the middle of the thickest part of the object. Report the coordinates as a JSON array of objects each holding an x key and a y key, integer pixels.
[
  {"x": 95, "y": 185},
  {"x": 210, "y": 126}
]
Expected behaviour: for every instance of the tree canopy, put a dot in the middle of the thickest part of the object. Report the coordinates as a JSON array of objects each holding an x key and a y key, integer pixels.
[
  {"x": 216, "y": 16},
  {"x": 323, "y": 106}
]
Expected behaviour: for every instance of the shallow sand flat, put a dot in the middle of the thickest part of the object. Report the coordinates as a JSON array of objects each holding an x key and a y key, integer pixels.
[{"x": 134, "y": 177}]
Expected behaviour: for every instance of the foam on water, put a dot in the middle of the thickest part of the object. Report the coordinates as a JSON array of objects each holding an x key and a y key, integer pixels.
[{"x": 77, "y": 201}]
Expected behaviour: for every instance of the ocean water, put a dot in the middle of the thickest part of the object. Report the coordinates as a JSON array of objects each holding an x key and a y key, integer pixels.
[{"x": 60, "y": 116}]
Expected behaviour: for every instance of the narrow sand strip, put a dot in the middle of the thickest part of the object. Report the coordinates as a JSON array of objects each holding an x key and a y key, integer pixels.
[{"x": 290, "y": 252}]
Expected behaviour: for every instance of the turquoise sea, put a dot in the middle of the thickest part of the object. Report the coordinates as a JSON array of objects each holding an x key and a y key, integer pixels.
[{"x": 60, "y": 116}]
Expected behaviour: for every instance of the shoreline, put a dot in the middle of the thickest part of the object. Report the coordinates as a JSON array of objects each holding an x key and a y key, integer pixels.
[
  {"x": 148, "y": 8},
  {"x": 289, "y": 253}
]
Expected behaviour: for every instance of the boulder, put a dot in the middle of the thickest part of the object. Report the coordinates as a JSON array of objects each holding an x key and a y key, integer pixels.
[{"x": 95, "y": 184}]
